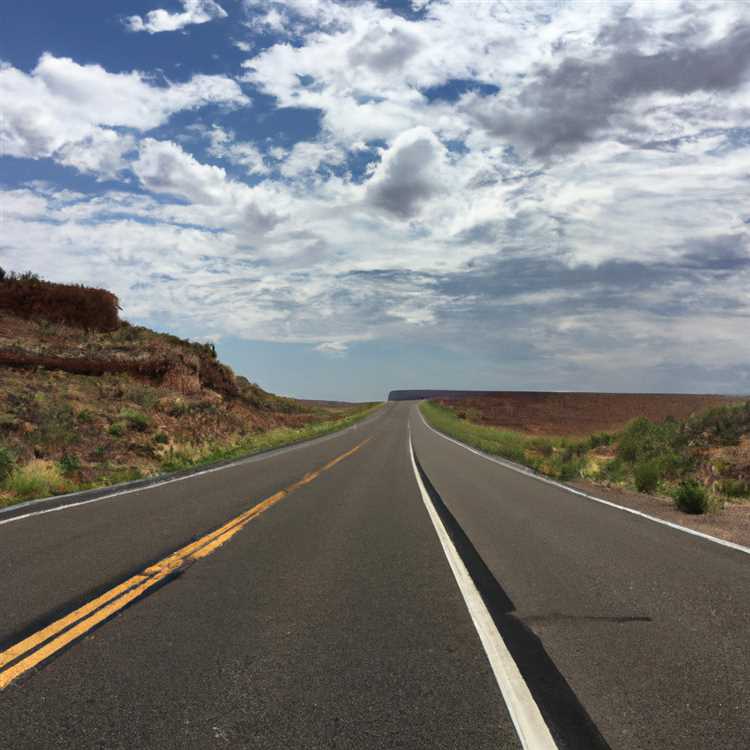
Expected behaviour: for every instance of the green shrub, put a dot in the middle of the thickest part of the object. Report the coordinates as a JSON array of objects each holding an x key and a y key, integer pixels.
[
  {"x": 542, "y": 445},
  {"x": 117, "y": 429},
  {"x": 734, "y": 488},
  {"x": 724, "y": 425},
  {"x": 85, "y": 416},
  {"x": 178, "y": 409},
  {"x": 136, "y": 420},
  {"x": 161, "y": 438},
  {"x": 569, "y": 470},
  {"x": 69, "y": 464},
  {"x": 600, "y": 439},
  {"x": 56, "y": 423},
  {"x": 614, "y": 471},
  {"x": 8, "y": 421},
  {"x": 572, "y": 451},
  {"x": 176, "y": 460},
  {"x": 643, "y": 439},
  {"x": 646, "y": 476},
  {"x": 7, "y": 463},
  {"x": 692, "y": 497},
  {"x": 663, "y": 442}
]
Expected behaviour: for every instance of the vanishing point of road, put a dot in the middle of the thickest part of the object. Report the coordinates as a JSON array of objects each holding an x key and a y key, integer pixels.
[{"x": 382, "y": 587}]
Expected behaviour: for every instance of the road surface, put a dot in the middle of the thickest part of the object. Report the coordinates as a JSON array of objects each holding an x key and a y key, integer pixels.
[{"x": 327, "y": 596}]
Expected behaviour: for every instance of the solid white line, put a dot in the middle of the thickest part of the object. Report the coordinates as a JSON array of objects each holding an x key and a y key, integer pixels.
[
  {"x": 529, "y": 473},
  {"x": 527, "y": 719},
  {"x": 156, "y": 484}
]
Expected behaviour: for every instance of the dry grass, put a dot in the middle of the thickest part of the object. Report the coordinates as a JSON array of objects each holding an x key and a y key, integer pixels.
[{"x": 38, "y": 478}]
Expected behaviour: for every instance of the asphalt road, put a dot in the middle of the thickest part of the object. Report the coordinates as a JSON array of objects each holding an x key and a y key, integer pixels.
[{"x": 333, "y": 619}]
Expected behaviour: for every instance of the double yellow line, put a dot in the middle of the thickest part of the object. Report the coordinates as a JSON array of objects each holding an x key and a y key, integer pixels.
[{"x": 34, "y": 649}]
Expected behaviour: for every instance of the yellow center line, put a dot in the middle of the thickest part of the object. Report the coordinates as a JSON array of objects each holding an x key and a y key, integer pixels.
[{"x": 99, "y": 609}]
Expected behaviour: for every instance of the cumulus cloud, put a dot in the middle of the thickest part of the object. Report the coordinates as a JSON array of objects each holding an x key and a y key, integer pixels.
[
  {"x": 384, "y": 49},
  {"x": 195, "y": 12},
  {"x": 66, "y": 109},
  {"x": 570, "y": 184},
  {"x": 408, "y": 174},
  {"x": 164, "y": 167},
  {"x": 565, "y": 106},
  {"x": 370, "y": 67},
  {"x": 306, "y": 157},
  {"x": 102, "y": 153}
]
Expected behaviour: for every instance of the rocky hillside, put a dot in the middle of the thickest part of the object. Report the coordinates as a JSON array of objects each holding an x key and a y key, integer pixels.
[{"x": 87, "y": 399}]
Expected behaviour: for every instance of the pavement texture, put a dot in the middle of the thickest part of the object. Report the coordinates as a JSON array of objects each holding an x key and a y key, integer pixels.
[
  {"x": 648, "y": 626},
  {"x": 333, "y": 620}
]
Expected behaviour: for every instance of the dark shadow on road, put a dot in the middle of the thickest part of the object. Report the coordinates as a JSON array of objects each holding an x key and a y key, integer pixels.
[{"x": 570, "y": 724}]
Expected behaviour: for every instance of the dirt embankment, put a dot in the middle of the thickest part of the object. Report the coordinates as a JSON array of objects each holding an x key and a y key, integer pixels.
[
  {"x": 88, "y": 399},
  {"x": 183, "y": 366},
  {"x": 577, "y": 414}
]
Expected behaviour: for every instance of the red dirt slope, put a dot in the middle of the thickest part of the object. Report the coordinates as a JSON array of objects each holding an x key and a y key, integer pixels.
[{"x": 546, "y": 413}]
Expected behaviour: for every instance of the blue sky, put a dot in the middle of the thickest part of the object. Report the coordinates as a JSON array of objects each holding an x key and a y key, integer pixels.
[{"x": 352, "y": 197}]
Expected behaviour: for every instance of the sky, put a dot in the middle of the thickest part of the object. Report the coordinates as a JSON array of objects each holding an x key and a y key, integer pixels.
[{"x": 352, "y": 197}]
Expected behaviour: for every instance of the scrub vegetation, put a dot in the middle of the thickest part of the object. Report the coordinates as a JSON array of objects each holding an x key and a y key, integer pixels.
[
  {"x": 701, "y": 461},
  {"x": 86, "y": 404}
]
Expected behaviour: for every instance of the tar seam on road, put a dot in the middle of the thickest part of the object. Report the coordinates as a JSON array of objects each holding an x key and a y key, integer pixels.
[
  {"x": 264, "y": 455},
  {"x": 40, "y": 646},
  {"x": 527, "y": 472},
  {"x": 524, "y": 712}
]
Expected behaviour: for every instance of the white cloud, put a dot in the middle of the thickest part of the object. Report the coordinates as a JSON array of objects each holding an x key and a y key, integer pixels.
[
  {"x": 272, "y": 20},
  {"x": 629, "y": 242},
  {"x": 22, "y": 204},
  {"x": 195, "y": 12},
  {"x": 62, "y": 109},
  {"x": 241, "y": 153},
  {"x": 369, "y": 66},
  {"x": 307, "y": 156},
  {"x": 102, "y": 153},
  {"x": 164, "y": 167}
]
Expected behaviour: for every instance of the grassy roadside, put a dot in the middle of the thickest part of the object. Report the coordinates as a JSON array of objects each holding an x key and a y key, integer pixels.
[
  {"x": 264, "y": 441},
  {"x": 702, "y": 462},
  {"x": 553, "y": 456},
  {"x": 44, "y": 478}
]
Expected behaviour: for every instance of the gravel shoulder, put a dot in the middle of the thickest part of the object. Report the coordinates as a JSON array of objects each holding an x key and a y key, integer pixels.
[{"x": 732, "y": 523}]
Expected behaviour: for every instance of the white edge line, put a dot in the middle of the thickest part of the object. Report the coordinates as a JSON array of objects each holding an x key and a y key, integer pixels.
[
  {"x": 524, "y": 712},
  {"x": 529, "y": 473},
  {"x": 156, "y": 484}
]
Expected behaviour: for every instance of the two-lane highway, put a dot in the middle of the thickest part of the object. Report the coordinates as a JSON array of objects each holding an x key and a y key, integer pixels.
[
  {"x": 307, "y": 600},
  {"x": 648, "y": 626},
  {"x": 331, "y": 620}
]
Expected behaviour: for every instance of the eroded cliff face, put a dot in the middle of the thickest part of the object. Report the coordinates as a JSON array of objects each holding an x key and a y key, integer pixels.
[
  {"x": 101, "y": 406},
  {"x": 182, "y": 366}
]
